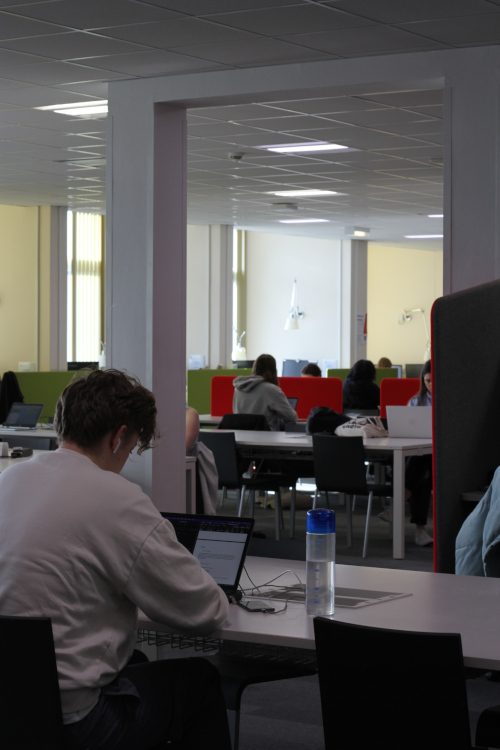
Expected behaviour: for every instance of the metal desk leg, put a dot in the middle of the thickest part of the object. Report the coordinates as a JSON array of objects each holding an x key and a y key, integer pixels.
[{"x": 398, "y": 506}]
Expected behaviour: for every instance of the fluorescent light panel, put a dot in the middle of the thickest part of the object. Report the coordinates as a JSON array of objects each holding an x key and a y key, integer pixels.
[
  {"x": 435, "y": 216},
  {"x": 303, "y": 193},
  {"x": 423, "y": 236},
  {"x": 79, "y": 109},
  {"x": 303, "y": 221},
  {"x": 304, "y": 148}
]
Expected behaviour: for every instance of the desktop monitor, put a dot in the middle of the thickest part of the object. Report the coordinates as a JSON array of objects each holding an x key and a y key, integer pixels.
[
  {"x": 292, "y": 368},
  {"x": 399, "y": 368},
  {"x": 413, "y": 371},
  {"x": 72, "y": 366}
]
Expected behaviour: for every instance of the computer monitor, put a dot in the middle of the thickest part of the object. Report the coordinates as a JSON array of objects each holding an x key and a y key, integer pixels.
[
  {"x": 399, "y": 368},
  {"x": 413, "y": 371},
  {"x": 292, "y": 368},
  {"x": 82, "y": 366}
]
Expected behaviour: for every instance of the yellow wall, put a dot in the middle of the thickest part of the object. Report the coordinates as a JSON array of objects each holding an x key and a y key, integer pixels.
[
  {"x": 44, "y": 290},
  {"x": 397, "y": 279},
  {"x": 18, "y": 286}
]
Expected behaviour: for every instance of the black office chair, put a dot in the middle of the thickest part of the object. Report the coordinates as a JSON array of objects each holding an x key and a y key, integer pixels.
[
  {"x": 30, "y": 709},
  {"x": 223, "y": 446},
  {"x": 488, "y": 728},
  {"x": 339, "y": 466},
  {"x": 244, "y": 422},
  {"x": 391, "y": 689}
]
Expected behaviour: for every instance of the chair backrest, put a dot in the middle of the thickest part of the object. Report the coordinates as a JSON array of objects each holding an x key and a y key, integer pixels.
[
  {"x": 30, "y": 709},
  {"x": 339, "y": 464},
  {"x": 221, "y": 395},
  {"x": 244, "y": 422},
  {"x": 391, "y": 689},
  {"x": 397, "y": 392},
  {"x": 223, "y": 446}
]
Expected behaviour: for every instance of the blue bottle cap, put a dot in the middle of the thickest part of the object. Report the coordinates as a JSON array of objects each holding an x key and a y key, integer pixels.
[{"x": 320, "y": 521}]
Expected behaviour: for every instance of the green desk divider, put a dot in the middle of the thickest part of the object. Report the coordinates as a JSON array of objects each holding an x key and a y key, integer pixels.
[
  {"x": 338, "y": 373},
  {"x": 44, "y": 388},
  {"x": 199, "y": 383}
]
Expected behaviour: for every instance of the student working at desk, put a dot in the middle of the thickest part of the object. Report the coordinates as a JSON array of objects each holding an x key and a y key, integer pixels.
[
  {"x": 87, "y": 548},
  {"x": 260, "y": 393}
]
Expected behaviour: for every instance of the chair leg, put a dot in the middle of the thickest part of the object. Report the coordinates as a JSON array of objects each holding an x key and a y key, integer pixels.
[
  {"x": 233, "y": 719},
  {"x": 278, "y": 513},
  {"x": 242, "y": 501},
  {"x": 353, "y": 503},
  {"x": 292, "y": 511},
  {"x": 315, "y": 501},
  {"x": 252, "y": 503},
  {"x": 367, "y": 525},
  {"x": 348, "y": 513},
  {"x": 327, "y": 497}
]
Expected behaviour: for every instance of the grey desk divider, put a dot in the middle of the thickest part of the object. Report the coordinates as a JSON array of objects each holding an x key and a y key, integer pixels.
[{"x": 466, "y": 402}]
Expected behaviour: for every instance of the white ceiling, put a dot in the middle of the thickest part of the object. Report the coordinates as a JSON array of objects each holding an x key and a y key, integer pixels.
[{"x": 62, "y": 51}]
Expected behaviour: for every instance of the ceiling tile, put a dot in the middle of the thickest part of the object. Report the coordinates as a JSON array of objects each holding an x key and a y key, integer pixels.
[
  {"x": 52, "y": 73},
  {"x": 388, "y": 11},
  {"x": 92, "y": 14},
  {"x": 467, "y": 30},
  {"x": 255, "y": 52},
  {"x": 71, "y": 45},
  {"x": 203, "y": 7},
  {"x": 296, "y": 19},
  {"x": 37, "y": 96},
  {"x": 13, "y": 26},
  {"x": 152, "y": 63},
  {"x": 364, "y": 41},
  {"x": 175, "y": 33}
]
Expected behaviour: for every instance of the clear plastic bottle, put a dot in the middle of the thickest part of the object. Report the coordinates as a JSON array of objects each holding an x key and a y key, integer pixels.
[{"x": 320, "y": 562}]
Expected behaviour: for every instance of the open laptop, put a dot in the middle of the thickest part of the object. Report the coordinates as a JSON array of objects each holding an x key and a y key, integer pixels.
[
  {"x": 23, "y": 416},
  {"x": 219, "y": 543},
  {"x": 293, "y": 403},
  {"x": 409, "y": 422}
]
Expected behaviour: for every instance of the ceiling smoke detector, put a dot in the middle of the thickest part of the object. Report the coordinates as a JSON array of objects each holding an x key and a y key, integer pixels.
[{"x": 237, "y": 157}]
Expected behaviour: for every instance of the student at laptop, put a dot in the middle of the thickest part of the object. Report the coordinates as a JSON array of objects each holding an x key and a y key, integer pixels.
[
  {"x": 360, "y": 390},
  {"x": 259, "y": 393},
  {"x": 418, "y": 474},
  {"x": 86, "y": 548},
  {"x": 310, "y": 371}
]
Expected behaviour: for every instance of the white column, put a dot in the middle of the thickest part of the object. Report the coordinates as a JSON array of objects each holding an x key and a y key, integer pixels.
[
  {"x": 471, "y": 175},
  {"x": 146, "y": 277},
  {"x": 220, "y": 304},
  {"x": 58, "y": 288},
  {"x": 354, "y": 301}
]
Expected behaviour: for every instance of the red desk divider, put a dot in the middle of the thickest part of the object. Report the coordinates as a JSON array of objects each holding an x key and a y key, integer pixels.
[{"x": 397, "y": 392}]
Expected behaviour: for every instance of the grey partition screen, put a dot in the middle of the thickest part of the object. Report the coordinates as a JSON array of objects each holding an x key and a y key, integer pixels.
[{"x": 466, "y": 403}]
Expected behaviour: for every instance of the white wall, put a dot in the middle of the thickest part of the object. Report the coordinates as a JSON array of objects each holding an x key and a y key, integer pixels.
[
  {"x": 399, "y": 278},
  {"x": 273, "y": 261}
]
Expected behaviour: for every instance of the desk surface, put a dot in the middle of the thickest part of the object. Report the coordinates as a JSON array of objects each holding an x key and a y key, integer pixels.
[
  {"x": 6, "y": 462},
  {"x": 40, "y": 432},
  {"x": 439, "y": 603}
]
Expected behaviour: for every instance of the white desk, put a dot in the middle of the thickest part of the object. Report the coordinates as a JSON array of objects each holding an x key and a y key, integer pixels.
[
  {"x": 276, "y": 444},
  {"x": 6, "y": 462},
  {"x": 38, "y": 433},
  {"x": 439, "y": 603}
]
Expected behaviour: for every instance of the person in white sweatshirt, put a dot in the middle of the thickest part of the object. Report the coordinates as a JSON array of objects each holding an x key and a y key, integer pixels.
[{"x": 86, "y": 547}]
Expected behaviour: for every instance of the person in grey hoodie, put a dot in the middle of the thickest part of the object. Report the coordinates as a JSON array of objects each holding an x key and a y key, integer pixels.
[{"x": 259, "y": 393}]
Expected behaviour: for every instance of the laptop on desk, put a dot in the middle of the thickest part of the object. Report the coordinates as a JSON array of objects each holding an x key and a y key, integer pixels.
[
  {"x": 219, "y": 543},
  {"x": 23, "y": 416},
  {"x": 409, "y": 421}
]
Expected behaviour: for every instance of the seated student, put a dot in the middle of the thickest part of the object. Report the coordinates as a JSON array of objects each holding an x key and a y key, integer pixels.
[
  {"x": 192, "y": 427},
  {"x": 87, "y": 548},
  {"x": 359, "y": 389},
  {"x": 259, "y": 393},
  {"x": 384, "y": 362},
  {"x": 310, "y": 371}
]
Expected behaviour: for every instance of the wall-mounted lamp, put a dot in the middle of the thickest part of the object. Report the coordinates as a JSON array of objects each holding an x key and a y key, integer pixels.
[
  {"x": 407, "y": 318},
  {"x": 292, "y": 322}
]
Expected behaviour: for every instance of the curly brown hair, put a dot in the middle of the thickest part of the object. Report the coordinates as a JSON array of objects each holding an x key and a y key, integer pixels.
[{"x": 98, "y": 403}]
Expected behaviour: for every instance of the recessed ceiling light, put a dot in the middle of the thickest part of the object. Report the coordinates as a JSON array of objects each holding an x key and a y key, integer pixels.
[
  {"x": 423, "y": 236},
  {"x": 435, "y": 216},
  {"x": 303, "y": 221},
  {"x": 304, "y": 148},
  {"x": 79, "y": 109},
  {"x": 304, "y": 193}
]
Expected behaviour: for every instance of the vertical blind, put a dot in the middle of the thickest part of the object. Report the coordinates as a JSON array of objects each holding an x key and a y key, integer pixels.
[{"x": 85, "y": 255}]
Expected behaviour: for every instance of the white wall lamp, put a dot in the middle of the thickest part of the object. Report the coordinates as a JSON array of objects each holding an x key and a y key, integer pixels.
[
  {"x": 407, "y": 317},
  {"x": 292, "y": 322}
]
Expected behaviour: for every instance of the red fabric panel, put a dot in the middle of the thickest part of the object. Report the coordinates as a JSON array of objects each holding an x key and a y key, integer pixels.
[
  {"x": 397, "y": 392},
  {"x": 221, "y": 395},
  {"x": 313, "y": 392}
]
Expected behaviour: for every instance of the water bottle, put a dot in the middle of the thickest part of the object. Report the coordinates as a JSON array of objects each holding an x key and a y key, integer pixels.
[{"x": 320, "y": 562}]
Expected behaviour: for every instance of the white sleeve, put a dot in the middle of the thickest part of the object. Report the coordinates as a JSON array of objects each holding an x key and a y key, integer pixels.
[{"x": 171, "y": 587}]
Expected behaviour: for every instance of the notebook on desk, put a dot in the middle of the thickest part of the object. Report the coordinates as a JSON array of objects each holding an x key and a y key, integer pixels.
[
  {"x": 409, "y": 422},
  {"x": 219, "y": 543},
  {"x": 23, "y": 416}
]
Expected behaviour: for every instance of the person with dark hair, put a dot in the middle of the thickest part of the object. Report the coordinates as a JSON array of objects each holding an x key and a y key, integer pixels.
[
  {"x": 259, "y": 393},
  {"x": 311, "y": 370},
  {"x": 424, "y": 395},
  {"x": 87, "y": 548},
  {"x": 360, "y": 390}
]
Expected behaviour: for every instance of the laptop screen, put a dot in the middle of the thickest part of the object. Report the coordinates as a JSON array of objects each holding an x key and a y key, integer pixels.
[
  {"x": 23, "y": 415},
  {"x": 219, "y": 543},
  {"x": 293, "y": 402}
]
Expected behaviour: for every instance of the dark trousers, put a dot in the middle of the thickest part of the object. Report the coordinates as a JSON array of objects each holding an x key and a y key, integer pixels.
[
  {"x": 418, "y": 479},
  {"x": 148, "y": 705}
]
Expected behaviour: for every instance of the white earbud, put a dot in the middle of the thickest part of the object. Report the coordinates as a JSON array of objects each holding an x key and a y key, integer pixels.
[{"x": 117, "y": 445}]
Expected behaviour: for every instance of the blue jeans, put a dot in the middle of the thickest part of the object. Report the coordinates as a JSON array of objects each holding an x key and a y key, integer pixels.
[{"x": 152, "y": 703}]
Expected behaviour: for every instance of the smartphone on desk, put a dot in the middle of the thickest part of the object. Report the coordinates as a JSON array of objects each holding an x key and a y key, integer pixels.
[{"x": 256, "y": 606}]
